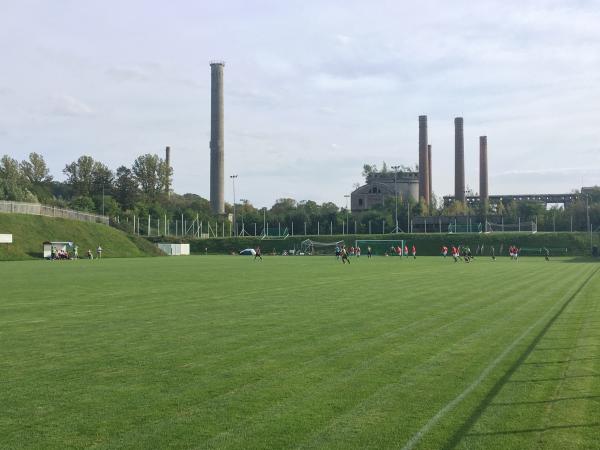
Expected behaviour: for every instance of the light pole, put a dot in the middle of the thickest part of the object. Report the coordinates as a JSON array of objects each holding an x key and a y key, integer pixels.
[
  {"x": 243, "y": 203},
  {"x": 587, "y": 209},
  {"x": 347, "y": 212},
  {"x": 233, "y": 177},
  {"x": 395, "y": 168}
]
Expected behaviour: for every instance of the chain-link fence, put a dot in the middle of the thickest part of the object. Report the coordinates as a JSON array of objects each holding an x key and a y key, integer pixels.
[{"x": 50, "y": 211}]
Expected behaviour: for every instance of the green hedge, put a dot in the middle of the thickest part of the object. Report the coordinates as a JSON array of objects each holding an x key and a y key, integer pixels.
[{"x": 577, "y": 244}]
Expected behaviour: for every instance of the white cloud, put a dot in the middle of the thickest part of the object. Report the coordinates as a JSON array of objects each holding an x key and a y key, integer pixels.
[
  {"x": 357, "y": 85},
  {"x": 128, "y": 74},
  {"x": 65, "y": 105}
]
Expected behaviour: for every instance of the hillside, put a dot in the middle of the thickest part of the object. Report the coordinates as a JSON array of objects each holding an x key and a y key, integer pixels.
[{"x": 29, "y": 232}]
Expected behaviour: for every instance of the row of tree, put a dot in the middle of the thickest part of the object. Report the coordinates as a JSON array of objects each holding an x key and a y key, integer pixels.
[{"x": 141, "y": 190}]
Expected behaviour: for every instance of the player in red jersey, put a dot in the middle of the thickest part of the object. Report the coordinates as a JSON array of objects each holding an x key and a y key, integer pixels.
[{"x": 414, "y": 251}]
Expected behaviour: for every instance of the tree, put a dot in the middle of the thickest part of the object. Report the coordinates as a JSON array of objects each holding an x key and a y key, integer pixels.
[
  {"x": 102, "y": 179},
  {"x": 150, "y": 173},
  {"x": 35, "y": 169},
  {"x": 80, "y": 175},
  {"x": 368, "y": 169},
  {"x": 125, "y": 189},
  {"x": 284, "y": 206},
  {"x": 13, "y": 184},
  {"x": 83, "y": 203}
]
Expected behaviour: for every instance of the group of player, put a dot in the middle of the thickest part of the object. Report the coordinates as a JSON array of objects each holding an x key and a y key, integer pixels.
[
  {"x": 63, "y": 254},
  {"x": 342, "y": 253},
  {"x": 464, "y": 252},
  {"x": 399, "y": 251}
]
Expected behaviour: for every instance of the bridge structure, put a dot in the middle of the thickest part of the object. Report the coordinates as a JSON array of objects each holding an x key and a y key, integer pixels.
[{"x": 472, "y": 200}]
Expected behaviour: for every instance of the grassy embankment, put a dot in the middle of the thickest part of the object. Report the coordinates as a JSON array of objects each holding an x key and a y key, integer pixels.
[{"x": 29, "y": 232}]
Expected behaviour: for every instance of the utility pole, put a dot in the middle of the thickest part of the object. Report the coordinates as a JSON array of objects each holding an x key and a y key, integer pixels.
[
  {"x": 347, "y": 221},
  {"x": 587, "y": 208},
  {"x": 395, "y": 168},
  {"x": 243, "y": 205},
  {"x": 233, "y": 177}
]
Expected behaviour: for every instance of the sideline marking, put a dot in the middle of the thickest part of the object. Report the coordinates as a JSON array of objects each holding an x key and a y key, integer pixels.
[{"x": 414, "y": 440}]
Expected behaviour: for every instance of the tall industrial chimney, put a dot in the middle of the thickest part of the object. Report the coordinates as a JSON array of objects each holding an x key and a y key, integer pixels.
[
  {"x": 217, "y": 196},
  {"x": 429, "y": 170},
  {"x": 423, "y": 161},
  {"x": 459, "y": 160},
  {"x": 168, "y": 175},
  {"x": 483, "y": 170}
]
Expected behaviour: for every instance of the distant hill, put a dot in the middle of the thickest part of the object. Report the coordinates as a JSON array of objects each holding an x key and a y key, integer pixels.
[{"x": 29, "y": 232}]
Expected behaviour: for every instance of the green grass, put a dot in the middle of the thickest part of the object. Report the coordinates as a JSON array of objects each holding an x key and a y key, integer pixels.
[
  {"x": 299, "y": 352},
  {"x": 29, "y": 233}
]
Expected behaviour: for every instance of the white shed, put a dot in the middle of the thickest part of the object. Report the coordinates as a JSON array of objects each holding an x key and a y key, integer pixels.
[{"x": 175, "y": 249}]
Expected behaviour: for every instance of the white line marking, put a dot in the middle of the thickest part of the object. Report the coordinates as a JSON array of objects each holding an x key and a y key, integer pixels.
[{"x": 414, "y": 440}]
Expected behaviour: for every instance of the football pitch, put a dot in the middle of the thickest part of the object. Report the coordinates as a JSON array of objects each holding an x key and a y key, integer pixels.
[{"x": 300, "y": 352}]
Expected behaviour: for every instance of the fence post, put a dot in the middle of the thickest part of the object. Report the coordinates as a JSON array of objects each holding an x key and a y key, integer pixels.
[{"x": 148, "y": 224}]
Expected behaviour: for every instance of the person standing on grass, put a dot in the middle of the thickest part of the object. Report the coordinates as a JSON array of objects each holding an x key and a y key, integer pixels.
[
  {"x": 357, "y": 250},
  {"x": 546, "y": 254},
  {"x": 257, "y": 254},
  {"x": 337, "y": 252},
  {"x": 99, "y": 252},
  {"x": 369, "y": 252},
  {"x": 406, "y": 250},
  {"x": 75, "y": 252},
  {"x": 493, "y": 253},
  {"x": 414, "y": 251},
  {"x": 344, "y": 254}
]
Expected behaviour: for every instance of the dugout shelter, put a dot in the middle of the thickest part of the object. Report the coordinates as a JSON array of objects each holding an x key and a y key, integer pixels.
[{"x": 58, "y": 245}]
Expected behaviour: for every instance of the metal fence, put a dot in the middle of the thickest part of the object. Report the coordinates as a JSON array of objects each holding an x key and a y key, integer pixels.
[{"x": 50, "y": 211}]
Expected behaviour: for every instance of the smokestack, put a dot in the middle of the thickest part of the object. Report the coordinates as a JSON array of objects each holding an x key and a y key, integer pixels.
[
  {"x": 168, "y": 175},
  {"x": 429, "y": 170},
  {"x": 423, "y": 161},
  {"x": 459, "y": 160},
  {"x": 483, "y": 170},
  {"x": 217, "y": 196}
]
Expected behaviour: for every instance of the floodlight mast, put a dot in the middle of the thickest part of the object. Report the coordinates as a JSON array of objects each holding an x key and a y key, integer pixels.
[
  {"x": 395, "y": 169},
  {"x": 233, "y": 177},
  {"x": 347, "y": 220}
]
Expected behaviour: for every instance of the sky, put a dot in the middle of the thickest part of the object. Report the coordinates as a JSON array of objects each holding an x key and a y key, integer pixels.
[{"x": 313, "y": 89}]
